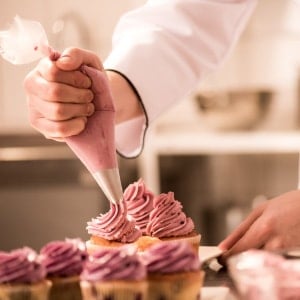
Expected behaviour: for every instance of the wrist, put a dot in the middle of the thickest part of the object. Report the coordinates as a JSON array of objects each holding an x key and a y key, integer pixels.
[{"x": 126, "y": 99}]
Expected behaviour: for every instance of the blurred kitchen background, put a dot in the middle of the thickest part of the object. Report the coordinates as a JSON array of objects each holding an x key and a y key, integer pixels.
[{"x": 230, "y": 145}]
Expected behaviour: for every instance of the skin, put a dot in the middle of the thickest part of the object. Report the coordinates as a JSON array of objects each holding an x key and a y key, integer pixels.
[
  {"x": 60, "y": 101},
  {"x": 59, "y": 97},
  {"x": 272, "y": 225}
]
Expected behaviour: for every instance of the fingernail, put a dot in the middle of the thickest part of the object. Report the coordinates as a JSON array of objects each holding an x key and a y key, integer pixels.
[
  {"x": 90, "y": 109},
  {"x": 65, "y": 59}
]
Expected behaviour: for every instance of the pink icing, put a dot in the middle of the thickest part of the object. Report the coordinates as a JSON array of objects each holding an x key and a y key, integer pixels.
[
  {"x": 171, "y": 257},
  {"x": 167, "y": 218},
  {"x": 139, "y": 201},
  {"x": 114, "y": 225},
  {"x": 113, "y": 264},
  {"x": 21, "y": 266},
  {"x": 95, "y": 145},
  {"x": 63, "y": 258}
]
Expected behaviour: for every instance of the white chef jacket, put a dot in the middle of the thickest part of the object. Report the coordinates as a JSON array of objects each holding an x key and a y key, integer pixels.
[{"x": 165, "y": 48}]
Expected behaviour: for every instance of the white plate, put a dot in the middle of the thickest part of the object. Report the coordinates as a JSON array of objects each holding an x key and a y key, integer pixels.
[{"x": 207, "y": 253}]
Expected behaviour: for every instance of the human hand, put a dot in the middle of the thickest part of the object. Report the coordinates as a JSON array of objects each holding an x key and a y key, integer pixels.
[
  {"x": 272, "y": 225},
  {"x": 59, "y": 97}
]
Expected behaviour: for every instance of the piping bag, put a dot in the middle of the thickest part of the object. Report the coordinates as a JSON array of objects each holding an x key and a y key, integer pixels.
[{"x": 26, "y": 41}]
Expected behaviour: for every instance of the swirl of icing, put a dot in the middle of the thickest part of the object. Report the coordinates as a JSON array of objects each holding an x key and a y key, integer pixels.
[
  {"x": 167, "y": 218},
  {"x": 114, "y": 264},
  {"x": 171, "y": 257},
  {"x": 21, "y": 266},
  {"x": 139, "y": 201},
  {"x": 114, "y": 225},
  {"x": 63, "y": 258}
]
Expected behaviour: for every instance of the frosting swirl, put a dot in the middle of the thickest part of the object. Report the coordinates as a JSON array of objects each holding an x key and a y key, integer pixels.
[
  {"x": 171, "y": 257},
  {"x": 21, "y": 266},
  {"x": 114, "y": 225},
  {"x": 122, "y": 263},
  {"x": 167, "y": 218},
  {"x": 63, "y": 258},
  {"x": 139, "y": 201}
]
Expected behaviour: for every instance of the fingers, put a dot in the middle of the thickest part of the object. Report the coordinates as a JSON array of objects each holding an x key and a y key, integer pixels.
[
  {"x": 59, "y": 94},
  {"x": 56, "y": 111},
  {"x": 51, "y": 72},
  {"x": 240, "y": 231},
  {"x": 57, "y": 130},
  {"x": 255, "y": 237},
  {"x": 73, "y": 58},
  {"x": 54, "y": 91}
]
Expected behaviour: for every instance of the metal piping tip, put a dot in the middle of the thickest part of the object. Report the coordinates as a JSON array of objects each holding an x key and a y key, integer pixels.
[{"x": 110, "y": 183}]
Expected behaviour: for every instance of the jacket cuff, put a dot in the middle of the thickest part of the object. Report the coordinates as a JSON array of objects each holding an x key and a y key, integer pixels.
[{"x": 130, "y": 135}]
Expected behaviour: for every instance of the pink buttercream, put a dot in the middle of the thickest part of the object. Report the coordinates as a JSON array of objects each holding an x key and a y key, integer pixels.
[
  {"x": 167, "y": 218},
  {"x": 114, "y": 225},
  {"x": 171, "y": 257},
  {"x": 63, "y": 258},
  {"x": 21, "y": 266},
  {"x": 113, "y": 264},
  {"x": 139, "y": 201},
  {"x": 95, "y": 145}
]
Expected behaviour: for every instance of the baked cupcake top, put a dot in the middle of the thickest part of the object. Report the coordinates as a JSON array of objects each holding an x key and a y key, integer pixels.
[
  {"x": 167, "y": 218},
  {"x": 171, "y": 257},
  {"x": 63, "y": 258},
  {"x": 114, "y": 225},
  {"x": 106, "y": 264},
  {"x": 21, "y": 266},
  {"x": 139, "y": 202}
]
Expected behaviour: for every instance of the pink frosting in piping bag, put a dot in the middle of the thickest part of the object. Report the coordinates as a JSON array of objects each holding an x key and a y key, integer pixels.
[
  {"x": 95, "y": 145},
  {"x": 26, "y": 41}
]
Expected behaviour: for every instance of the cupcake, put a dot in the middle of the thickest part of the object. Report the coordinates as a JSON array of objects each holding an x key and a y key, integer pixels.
[
  {"x": 114, "y": 273},
  {"x": 22, "y": 276},
  {"x": 173, "y": 271},
  {"x": 63, "y": 261},
  {"x": 112, "y": 229},
  {"x": 167, "y": 222},
  {"x": 139, "y": 202}
]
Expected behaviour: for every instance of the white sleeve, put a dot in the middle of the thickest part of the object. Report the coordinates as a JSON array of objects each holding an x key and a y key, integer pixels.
[{"x": 166, "y": 47}]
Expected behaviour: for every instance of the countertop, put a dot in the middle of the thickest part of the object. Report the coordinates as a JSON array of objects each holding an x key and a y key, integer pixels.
[{"x": 217, "y": 285}]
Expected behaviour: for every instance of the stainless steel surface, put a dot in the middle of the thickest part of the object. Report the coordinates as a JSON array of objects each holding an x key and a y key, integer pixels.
[{"x": 110, "y": 183}]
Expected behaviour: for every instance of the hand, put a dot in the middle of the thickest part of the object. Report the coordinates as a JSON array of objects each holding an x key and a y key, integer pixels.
[
  {"x": 273, "y": 225},
  {"x": 58, "y": 94}
]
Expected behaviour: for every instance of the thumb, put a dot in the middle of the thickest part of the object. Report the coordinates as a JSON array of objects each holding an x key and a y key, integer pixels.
[{"x": 73, "y": 58}]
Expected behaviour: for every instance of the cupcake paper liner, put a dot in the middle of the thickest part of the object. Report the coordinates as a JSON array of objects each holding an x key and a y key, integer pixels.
[
  {"x": 116, "y": 290},
  {"x": 65, "y": 289},
  {"x": 36, "y": 291},
  {"x": 179, "y": 286}
]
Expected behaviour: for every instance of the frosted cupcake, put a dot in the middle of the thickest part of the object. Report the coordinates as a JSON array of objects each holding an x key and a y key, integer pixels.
[
  {"x": 167, "y": 221},
  {"x": 173, "y": 271},
  {"x": 139, "y": 202},
  {"x": 22, "y": 276},
  {"x": 112, "y": 229},
  {"x": 63, "y": 261},
  {"x": 114, "y": 273}
]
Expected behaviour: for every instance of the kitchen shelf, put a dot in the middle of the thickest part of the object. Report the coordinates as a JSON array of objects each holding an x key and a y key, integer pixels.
[{"x": 199, "y": 142}]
